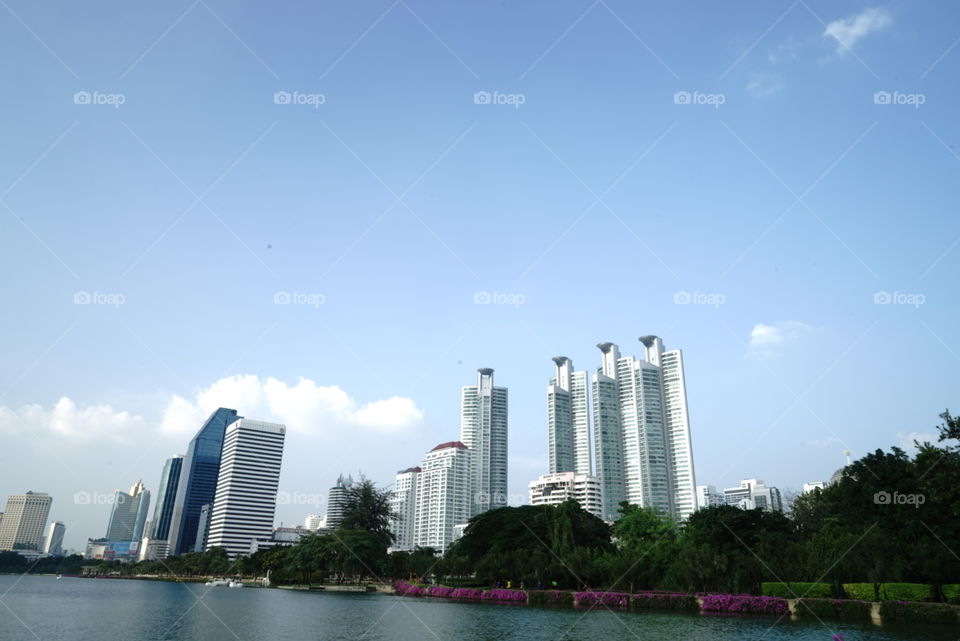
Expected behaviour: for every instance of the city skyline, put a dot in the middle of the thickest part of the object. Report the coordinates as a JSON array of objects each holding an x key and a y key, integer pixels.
[{"x": 397, "y": 194}]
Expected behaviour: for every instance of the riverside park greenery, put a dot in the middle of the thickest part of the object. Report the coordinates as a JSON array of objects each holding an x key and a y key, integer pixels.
[{"x": 883, "y": 531}]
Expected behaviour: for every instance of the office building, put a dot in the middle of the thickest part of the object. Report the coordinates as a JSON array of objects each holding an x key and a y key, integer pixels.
[
  {"x": 708, "y": 496},
  {"x": 754, "y": 494},
  {"x": 246, "y": 496},
  {"x": 337, "y": 501},
  {"x": 129, "y": 514},
  {"x": 166, "y": 498},
  {"x": 554, "y": 489},
  {"x": 53, "y": 541},
  {"x": 23, "y": 521},
  {"x": 443, "y": 495},
  {"x": 483, "y": 429},
  {"x": 313, "y": 522},
  {"x": 403, "y": 504},
  {"x": 198, "y": 480}
]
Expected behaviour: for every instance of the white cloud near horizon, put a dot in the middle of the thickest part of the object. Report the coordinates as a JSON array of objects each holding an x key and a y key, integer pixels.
[
  {"x": 849, "y": 31},
  {"x": 765, "y": 340},
  {"x": 304, "y": 407}
]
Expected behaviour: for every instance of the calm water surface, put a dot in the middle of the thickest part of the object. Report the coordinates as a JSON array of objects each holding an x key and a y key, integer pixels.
[{"x": 44, "y": 609}]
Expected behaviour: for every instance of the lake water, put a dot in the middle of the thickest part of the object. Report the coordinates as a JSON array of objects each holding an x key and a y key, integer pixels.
[{"x": 45, "y": 609}]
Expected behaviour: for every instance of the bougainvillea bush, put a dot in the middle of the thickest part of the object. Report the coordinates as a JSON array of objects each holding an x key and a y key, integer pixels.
[
  {"x": 403, "y": 588},
  {"x": 440, "y": 591},
  {"x": 744, "y": 604},
  {"x": 607, "y": 599},
  {"x": 467, "y": 593},
  {"x": 664, "y": 601},
  {"x": 501, "y": 594},
  {"x": 550, "y": 597}
]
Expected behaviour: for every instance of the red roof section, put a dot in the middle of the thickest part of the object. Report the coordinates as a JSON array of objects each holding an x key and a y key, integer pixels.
[
  {"x": 444, "y": 446},
  {"x": 410, "y": 469}
]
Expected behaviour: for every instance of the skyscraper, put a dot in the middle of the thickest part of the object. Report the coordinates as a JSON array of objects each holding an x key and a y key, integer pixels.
[
  {"x": 166, "y": 498},
  {"x": 246, "y": 496},
  {"x": 403, "y": 504},
  {"x": 53, "y": 542},
  {"x": 568, "y": 417},
  {"x": 23, "y": 520},
  {"x": 443, "y": 495},
  {"x": 642, "y": 431},
  {"x": 483, "y": 429},
  {"x": 198, "y": 480},
  {"x": 129, "y": 514},
  {"x": 337, "y": 501}
]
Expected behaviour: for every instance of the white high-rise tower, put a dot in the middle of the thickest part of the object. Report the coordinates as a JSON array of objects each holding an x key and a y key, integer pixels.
[
  {"x": 568, "y": 417},
  {"x": 483, "y": 429},
  {"x": 246, "y": 497}
]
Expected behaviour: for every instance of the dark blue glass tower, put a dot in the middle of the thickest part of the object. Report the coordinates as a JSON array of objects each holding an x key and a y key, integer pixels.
[
  {"x": 198, "y": 480},
  {"x": 166, "y": 498}
]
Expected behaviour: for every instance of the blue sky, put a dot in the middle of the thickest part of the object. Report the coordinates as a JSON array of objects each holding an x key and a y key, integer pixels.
[{"x": 799, "y": 183}]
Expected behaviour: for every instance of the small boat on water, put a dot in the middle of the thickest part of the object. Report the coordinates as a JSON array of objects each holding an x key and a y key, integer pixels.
[
  {"x": 59, "y": 576},
  {"x": 225, "y": 583}
]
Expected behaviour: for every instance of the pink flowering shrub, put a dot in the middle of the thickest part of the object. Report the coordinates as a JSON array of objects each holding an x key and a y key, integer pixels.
[
  {"x": 745, "y": 604},
  {"x": 467, "y": 593},
  {"x": 440, "y": 591},
  {"x": 500, "y": 594},
  {"x": 402, "y": 588},
  {"x": 608, "y": 599}
]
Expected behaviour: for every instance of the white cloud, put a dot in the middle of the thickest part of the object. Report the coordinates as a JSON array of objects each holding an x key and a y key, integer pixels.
[
  {"x": 906, "y": 440},
  {"x": 764, "y": 85},
  {"x": 65, "y": 420},
  {"x": 303, "y": 407},
  {"x": 765, "y": 339},
  {"x": 823, "y": 443},
  {"x": 848, "y": 31}
]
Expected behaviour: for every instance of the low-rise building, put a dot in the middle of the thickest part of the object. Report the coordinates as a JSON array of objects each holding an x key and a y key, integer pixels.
[
  {"x": 754, "y": 494},
  {"x": 555, "y": 488}
]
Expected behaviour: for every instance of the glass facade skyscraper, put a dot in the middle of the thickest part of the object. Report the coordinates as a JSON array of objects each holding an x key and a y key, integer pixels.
[
  {"x": 198, "y": 480},
  {"x": 483, "y": 429},
  {"x": 166, "y": 497}
]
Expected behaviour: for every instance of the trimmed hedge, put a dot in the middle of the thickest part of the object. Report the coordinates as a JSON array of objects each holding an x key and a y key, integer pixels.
[
  {"x": 797, "y": 589},
  {"x": 951, "y": 591},
  {"x": 833, "y": 608},
  {"x": 664, "y": 601},
  {"x": 918, "y": 612},
  {"x": 550, "y": 597},
  {"x": 907, "y": 592},
  {"x": 861, "y": 591}
]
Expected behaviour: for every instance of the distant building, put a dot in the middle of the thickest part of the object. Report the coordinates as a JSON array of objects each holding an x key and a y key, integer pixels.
[
  {"x": 337, "y": 501},
  {"x": 314, "y": 522},
  {"x": 129, "y": 514},
  {"x": 443, "y": 498},
  {"x": 246, "y": 498},
  {"x": 152, "y": 549},
  {"x": 403, "y": 504},
  {"x": 203, "y": 528},
  {"x": 166, "y": 498},
  {"x": 554, "y": 489},
  {"x": 53, "y": 542},
  {"x": 754, "y": 494},
  {"x": 568, "y": 420},
  {"x": 198, "y": 479},
  {"x": 708, "y": 496},
  {"x": 814, "y": 485},
  {"x": 23, "y": 521},
  {"x": 483, "y": 429},
  {"x": 104, "y": 550}
]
